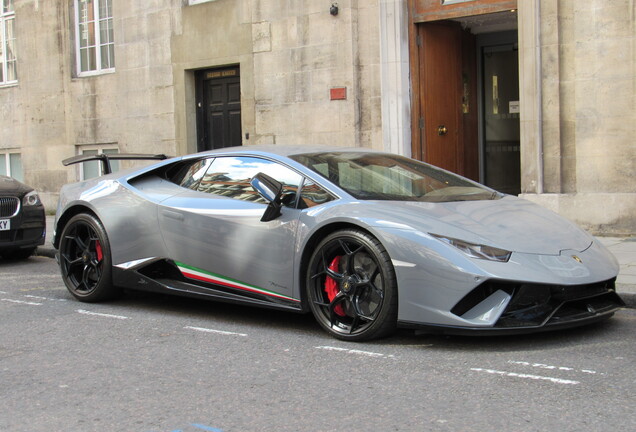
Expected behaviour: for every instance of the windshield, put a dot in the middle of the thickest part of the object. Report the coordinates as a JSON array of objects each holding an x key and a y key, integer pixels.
[{"x": 380, "y": 176}]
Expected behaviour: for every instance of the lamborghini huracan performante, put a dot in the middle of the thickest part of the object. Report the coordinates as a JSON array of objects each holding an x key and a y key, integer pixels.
[{"x": 366, "y": 241}]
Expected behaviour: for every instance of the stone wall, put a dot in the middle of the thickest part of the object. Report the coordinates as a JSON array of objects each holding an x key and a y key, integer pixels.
[
  {"x": 579, "y": 116},
  {"x": 290, "y": 53}
]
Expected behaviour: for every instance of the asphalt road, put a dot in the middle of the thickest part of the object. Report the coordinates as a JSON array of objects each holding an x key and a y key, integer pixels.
[{"x": 152, "y": 363}]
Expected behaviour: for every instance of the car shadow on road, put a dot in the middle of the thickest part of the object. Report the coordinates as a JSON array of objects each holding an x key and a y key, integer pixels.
[
  {"x": 201, "y": 309},
  {"x": 305, "y": 325},
  {"x": 604, "y": 331}
]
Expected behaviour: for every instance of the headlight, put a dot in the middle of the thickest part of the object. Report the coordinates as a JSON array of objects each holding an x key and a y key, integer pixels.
[
  {"x": 31, "y": 199},
  {"x": 477, "y": 251}
]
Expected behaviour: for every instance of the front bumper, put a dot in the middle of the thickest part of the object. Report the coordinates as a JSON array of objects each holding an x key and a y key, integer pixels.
[
  {"x": 526, "y": 308},
  {"x": 28, "y": 230}
]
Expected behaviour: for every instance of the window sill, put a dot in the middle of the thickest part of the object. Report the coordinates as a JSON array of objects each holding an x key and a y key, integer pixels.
[
  {"x": 9, "y": 84},
  {"x": 89, "y": 74}
]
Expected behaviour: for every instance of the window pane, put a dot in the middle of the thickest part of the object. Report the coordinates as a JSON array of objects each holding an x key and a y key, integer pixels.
[
  {"x": 15, "y": 166},
  {"x": 230, "y": 177},
  {"x": 313, "y": 195},
  {"x": 111, "y": 55},
  {"x": 106, "y": 58},
  {"x": 3, "y": 164},
  {"x": 91, "y": 168},
  {"x": 91, "y": 59},
  {"x": 8, "y": 6},
  {"x": 12, "y": 74},
  {"x": 87, "y": 34},
  {"x": 114, "y": 164},
  {"x": 10, "y": 38},
  {"x": 86, "y": 11},
  {"x": 105, "y": 9},
  {"x": 106, "y": 31}
]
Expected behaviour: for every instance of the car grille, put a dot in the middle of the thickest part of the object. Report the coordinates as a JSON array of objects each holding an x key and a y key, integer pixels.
[
  {"x": 9, "y": 206},
  {"x": 535, "y": 305}
]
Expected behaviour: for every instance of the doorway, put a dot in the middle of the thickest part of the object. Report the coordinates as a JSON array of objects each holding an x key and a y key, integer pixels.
[
  {"x": 466, "y": 98},
  {"x": 218, "y": 101}
]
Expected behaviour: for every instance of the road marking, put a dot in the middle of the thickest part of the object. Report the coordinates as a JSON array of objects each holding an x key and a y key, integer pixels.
[
  {"x": 206, "y": 428},
  {"x": 550, "y": 367},
  {"x": 22, "y": 302},
  {"x": 103, "y": 315},
  {"x": 526, "y": 376},
  {"x": 45, "y": 298},
  {"x": 355, "y": 352},
  {"x": 221, "y": 332}
]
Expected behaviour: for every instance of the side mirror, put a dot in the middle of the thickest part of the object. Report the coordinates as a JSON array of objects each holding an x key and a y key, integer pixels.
[{"x": 271, "y": 191}]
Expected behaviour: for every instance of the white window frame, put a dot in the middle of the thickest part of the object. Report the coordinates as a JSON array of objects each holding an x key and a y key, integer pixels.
[
  {"x": 194, "y": 2},
  {"x": 7, "y": 160},
  {"x": 98, "y": 22},
  {"x": 101, "y": 148},
  {"x": 7, "y": 14}
]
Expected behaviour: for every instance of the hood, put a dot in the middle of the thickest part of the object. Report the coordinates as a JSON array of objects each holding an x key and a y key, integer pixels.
[
  {"x": 509, "y": 223},
  {"x": 12, "y": 187}
]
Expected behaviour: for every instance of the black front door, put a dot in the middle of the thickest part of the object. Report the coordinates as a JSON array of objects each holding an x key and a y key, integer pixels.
[{"x": 218, "y": 108}]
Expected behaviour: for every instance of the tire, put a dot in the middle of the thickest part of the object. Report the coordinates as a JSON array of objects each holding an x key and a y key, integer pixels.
[
  {"x": 85, "y": 259},
  {"x": 351, "y": 286}
]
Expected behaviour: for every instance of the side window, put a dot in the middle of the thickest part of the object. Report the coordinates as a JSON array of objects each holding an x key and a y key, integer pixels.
[
  {"x": 189, "y": 174},
  {"x": 230, "y": 177},
  {"x": 312, "y": 195}
]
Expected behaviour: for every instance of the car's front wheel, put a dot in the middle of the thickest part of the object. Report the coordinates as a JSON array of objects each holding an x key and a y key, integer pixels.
[
  {"x": 351, "y": 286},
  {"x": 85, "y": 260}
]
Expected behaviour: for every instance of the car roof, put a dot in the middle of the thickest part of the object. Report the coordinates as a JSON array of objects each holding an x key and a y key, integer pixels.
[{"x": 284, "y": 151}]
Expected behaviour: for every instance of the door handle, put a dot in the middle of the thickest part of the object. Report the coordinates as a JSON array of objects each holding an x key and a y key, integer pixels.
[
  {"x": 441, "y": 130},
  {"x": 172, "y": 215}
]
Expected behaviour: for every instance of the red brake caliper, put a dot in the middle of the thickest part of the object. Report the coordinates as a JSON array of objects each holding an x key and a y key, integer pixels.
[
  {"x": 331, "y": 286},
  {"x": 98, "y": 249}
]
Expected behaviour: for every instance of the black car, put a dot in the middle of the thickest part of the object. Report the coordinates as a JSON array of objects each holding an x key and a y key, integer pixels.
[{"x": 22, "y": 219}]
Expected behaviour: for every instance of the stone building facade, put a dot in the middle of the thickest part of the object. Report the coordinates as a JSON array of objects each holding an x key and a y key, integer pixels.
[{"x": 325, "y": 72}]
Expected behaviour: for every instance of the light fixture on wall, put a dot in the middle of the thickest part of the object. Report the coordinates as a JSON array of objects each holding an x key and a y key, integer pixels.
[{"x": 333, "y": 10}]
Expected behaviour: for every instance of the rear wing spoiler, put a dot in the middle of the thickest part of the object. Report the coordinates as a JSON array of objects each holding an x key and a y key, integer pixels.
[{"x": 106, "y": 158}]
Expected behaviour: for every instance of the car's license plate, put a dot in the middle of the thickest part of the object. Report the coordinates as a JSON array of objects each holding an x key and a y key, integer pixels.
[{"x": 5, "y": 224}]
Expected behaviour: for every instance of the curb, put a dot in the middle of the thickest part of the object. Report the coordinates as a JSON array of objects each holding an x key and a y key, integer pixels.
[
  {"x": 629, "y": 299},
  {"x": 45, "y": 252}
]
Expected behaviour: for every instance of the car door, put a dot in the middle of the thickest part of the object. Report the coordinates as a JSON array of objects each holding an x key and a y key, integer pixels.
[{"x": 213, "y": 232}]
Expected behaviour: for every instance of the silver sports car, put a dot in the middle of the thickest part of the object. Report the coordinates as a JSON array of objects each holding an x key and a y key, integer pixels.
[{"x": 366, "y": 241}]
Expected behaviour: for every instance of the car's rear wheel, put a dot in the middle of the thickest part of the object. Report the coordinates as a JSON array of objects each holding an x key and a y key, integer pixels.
[
  {"x": 85, "y": 260},
  {"x": 351, "y": 286}
]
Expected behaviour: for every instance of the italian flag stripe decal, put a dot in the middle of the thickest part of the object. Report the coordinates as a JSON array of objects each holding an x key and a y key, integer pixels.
[{"x": 205, "y": 276}]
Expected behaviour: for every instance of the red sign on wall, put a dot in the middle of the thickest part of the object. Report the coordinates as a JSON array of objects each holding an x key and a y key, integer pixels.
[{"x": 338, "y": 93}]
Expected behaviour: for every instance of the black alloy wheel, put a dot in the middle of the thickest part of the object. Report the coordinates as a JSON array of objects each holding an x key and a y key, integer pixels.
[
  {"x": 85, "y": 260},
  {"x": 351, "y": 286}
]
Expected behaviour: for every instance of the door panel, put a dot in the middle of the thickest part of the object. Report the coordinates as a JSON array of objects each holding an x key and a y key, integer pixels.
[
  {"x": 440, "y": 84},
  {"x": 219, "y": 109},
  {"x": 225, "y": 237}
]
